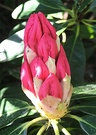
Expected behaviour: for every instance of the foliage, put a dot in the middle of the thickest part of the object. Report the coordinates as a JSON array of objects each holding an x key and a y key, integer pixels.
[{"x": 75, "y": 22}]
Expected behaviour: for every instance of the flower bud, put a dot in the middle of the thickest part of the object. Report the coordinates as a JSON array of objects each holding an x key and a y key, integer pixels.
[{"x": 45, "y": 73}]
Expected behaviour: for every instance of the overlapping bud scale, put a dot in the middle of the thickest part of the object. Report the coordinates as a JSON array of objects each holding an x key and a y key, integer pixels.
[{"x": 45, "y": 73}]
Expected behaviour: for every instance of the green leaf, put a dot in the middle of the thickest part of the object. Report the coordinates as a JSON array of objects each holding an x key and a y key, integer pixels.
[
  {"x": 87, "y": 123},
  {"x": 55, "y": 4},
  {"x": 24, "y": 10},
  {"x": 12, "y": 109},
  {"x": 93, "y": 5},
  {"x": 17, "y": 28},
  {"x": 12, "y": 90},
  {"x": 83, "y": 92},
  {"x": 89, "y": 129},
  {"x": 84, "y": 4},
  {"x": 13, "y": 130},
  {"x": 60, "y": 27},
  {"x": 12, "y": 47},
  {"x": 10, "y": 68},
  {"x": 87, "y": 106},
  {"x": 86, "y": 31},
  {"x": 76, "y": 56}
]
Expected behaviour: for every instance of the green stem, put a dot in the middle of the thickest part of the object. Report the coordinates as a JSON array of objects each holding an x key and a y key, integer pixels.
[
  {"x": 87, "y": 24},
  {"x": 55, "y": 127},
  {"x": 64, "y": 130},
  {"x": 42, "y": 129},
  {"x": 34, "y": 121},
  {"x": 87, "y": 20}
]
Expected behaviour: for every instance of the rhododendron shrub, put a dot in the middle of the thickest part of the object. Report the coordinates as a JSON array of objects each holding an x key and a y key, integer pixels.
[{"x": 45, "y": 73}]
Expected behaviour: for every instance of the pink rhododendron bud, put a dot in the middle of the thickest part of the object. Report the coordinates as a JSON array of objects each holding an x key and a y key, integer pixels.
[
  {"x": 26, "y": 77},
  {"x": 62, "y": 65},
  {"x": 51, "y": 86},
  {"x": 45, "y": 73},
  {"x": 47, "y": 47},
  {"x": 38, "y": 68},
  {"x": 37, "y": 25}
]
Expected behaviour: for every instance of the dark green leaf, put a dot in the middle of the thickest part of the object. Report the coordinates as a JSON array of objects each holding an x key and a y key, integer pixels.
[
  {"x": 91, "y": 128},
  {"x": 87, "y": 106},
  {"x": 24, "y": 10},
  {"x": 12, "y": 90},
  {"x": 85, "y": 91},
  {"x": 87, "y": 123},
  {"x": 13, "y": 130},
  {"x": 55, "y": 4},
  {"x": 12, "y": 109},
  {"x": 76, "y": 55},
  {"x": 12, "y": 47},
  {"x": 86, "y": 31},
  {"x": 93, "y": 5},
  {"x": 84, "y": 4}
]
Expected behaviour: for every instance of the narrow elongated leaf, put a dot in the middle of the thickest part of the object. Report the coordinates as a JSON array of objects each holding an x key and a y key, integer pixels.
[
  {"x": 76, "y": 55},
  {"x": 12, "y": 47},
  {"x": 86, "y": 91},
  {"x": 89, "y": 129},
  {"x": 12, "y": 109},
  {"x": 24, "y": 10}
]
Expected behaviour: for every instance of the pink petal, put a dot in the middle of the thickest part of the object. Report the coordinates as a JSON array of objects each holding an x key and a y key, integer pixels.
[
  {"x": 38, "y": 68},
  {"x": 63, "y": 67},
  {"x": 47, "y": 27},
  {"x": 33, "y": 32},
  {"x": 51, "y": 86},
  {"x": 47, "y": 47},
  {"x": 26, "y": 77}
]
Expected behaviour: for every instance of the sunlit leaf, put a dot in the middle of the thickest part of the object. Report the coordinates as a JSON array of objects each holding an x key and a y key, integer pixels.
[
  {"x": 12, "y": 109},
  {"x": 12, "y": 47},
  {"x": 60, "y": 27},
  {"x": 24, "y": 10},
  {"x": 85, "y": 91},
  {"x": 17, "y": 28}
]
